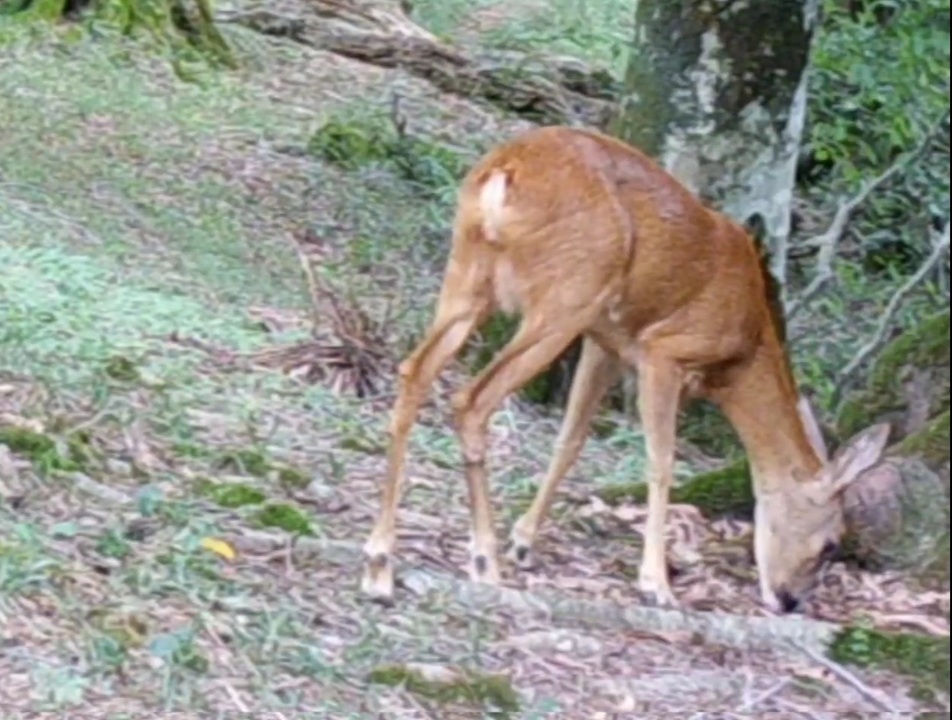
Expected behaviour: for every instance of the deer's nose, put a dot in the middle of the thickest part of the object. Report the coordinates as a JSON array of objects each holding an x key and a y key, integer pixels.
[{"x": 788, "y": 602}]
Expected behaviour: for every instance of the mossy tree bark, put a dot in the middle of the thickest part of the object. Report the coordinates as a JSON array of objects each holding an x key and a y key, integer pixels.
[{"x": 717, "y": 92}]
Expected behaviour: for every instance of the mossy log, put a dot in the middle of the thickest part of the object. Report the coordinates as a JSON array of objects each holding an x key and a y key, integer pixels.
[
  {"x": 551, "y": 90},
  {"x": 726, "y": 492},
  {"x": 908, "y": 385},
  {"x": 931, "y": 445}
]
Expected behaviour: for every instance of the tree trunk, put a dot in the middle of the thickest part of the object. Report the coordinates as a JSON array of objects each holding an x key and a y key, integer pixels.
[{"x": 716, "y": 90}]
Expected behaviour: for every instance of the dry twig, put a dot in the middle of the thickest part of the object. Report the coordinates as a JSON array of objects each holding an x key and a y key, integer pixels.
[{"x": 848, "y": 677}]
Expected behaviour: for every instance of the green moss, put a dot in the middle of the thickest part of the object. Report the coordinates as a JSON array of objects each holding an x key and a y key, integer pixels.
[
  {"x": 469, "y": 687},
  {"x": 245, "y": 460},
  {"x": 923, "y": 658},
  {"x": 43, "y": 451},
  {"x": 724, "y": 492},
  {"x": 931, "y": 443},
  {"x": 231, "y": 495},
  {"x": 924, "y": 346},
  {"x": 293, "y": 478},
  {"x": 363, "y": 444},
  {"x": 26, "y": 442},
  {"x": 122, "y": 369},
  {"x": 285, "y": 517},
  {"x": 192, "y": 450}
]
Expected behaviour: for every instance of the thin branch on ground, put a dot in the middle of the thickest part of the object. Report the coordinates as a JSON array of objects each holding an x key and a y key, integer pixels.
[
  {"x": 828, "y": 243},
  {"x": 843, "y": 674},
  {"x": 753, "y": 702},
  {"x": 939, "y": 249}
]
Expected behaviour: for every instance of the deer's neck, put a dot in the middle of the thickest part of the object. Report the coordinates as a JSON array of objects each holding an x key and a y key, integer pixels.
[{"x": 761, "y": 404}]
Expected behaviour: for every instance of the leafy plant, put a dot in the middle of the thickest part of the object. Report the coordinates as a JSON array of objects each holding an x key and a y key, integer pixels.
[{"x": 880, "y": 81}]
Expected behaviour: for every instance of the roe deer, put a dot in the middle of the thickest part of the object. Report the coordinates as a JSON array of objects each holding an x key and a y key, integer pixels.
[{"x": 585, "y": 235}]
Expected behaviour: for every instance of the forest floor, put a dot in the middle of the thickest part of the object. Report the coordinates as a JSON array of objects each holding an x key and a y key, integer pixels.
[{"x": 152, "y": 479}]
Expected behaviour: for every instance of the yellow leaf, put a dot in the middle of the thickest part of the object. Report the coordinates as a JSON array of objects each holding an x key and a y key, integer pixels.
[{"x": 219, "y": 547}]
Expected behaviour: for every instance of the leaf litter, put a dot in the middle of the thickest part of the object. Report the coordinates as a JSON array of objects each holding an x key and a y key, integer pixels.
[{"x": 124, "y": 591}]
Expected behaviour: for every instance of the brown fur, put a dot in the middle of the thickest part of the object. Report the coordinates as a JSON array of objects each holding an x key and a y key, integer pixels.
[{"x": 587, "y": 236}]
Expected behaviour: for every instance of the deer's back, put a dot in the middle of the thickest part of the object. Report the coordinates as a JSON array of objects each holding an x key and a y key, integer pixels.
[{"x": 600, "y": 221}]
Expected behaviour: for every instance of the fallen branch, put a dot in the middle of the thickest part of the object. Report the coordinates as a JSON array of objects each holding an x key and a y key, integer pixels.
[
  {"x": 939, "y": 249},
  {"x": 552, "y": 90},
  {"x": 777, "y": 634},
  {"x": 828, "y": 243},
  {"x": 843, "y": 674}
]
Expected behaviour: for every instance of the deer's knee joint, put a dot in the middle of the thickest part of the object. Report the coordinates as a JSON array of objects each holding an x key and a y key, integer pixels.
[
  {"x": 470, "y": 429},
  {"x": 405, "y": 369},
  {"x": 460, "y": 403}
]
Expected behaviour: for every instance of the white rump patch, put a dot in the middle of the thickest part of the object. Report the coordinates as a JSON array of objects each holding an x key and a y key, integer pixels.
[{"x": 492, "y": 200}]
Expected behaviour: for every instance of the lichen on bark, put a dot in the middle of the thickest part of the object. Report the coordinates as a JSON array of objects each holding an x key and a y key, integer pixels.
[{"x": 717, "y": 92}]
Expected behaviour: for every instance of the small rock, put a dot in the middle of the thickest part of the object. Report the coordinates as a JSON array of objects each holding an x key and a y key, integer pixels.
[
  {"x": 898, "y": 515},
  {"x": 118, "y": 467}
]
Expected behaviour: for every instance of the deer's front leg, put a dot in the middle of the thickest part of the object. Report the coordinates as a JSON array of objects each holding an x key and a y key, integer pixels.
[{"x": 659, "y": 390}]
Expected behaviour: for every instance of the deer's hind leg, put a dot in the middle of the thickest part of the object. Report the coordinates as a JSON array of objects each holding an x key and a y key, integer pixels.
[
  {"x": 596, "y": 372},
  {"x": 456, "y": 318},
  {"x": 537, "y": 343}
]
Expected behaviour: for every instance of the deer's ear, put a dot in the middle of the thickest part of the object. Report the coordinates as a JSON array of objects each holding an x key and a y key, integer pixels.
[
  {"x": 812, "y": 428},
  {"x": 858, "y": 455}
]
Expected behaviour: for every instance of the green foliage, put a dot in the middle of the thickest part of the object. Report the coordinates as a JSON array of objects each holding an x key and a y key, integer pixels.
[
  {"x": 32, "y": 10},
  {"x": 490, "y": 339},
  {"x": 877, "y": 85},
  {"x": 597, "y": 31},
  {"x": 244, "y": 460},
  {"x": 931, "y": 443},
  {"x": 923, "y": 658},
  {"x": 880, "y": 81}
]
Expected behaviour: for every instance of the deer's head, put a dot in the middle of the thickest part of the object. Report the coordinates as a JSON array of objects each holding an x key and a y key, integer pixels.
[{"x": 799, "y": 523}]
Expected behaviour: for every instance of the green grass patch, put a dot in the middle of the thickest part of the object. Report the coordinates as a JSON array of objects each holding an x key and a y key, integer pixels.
[
  {"x": 230, "y": 495},
  {"x": 922, "y": 658},
  {"x": 494, "y": 693},
  {"x": 285, "y": 517}
]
